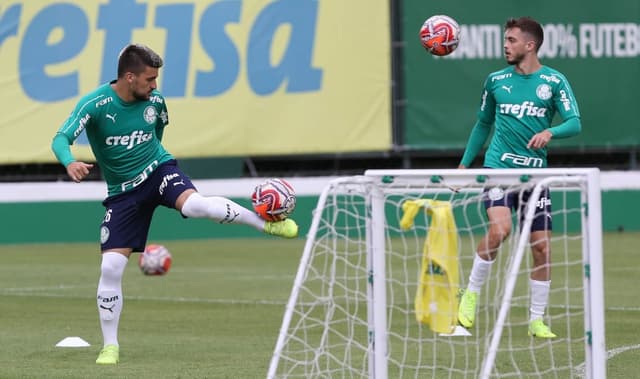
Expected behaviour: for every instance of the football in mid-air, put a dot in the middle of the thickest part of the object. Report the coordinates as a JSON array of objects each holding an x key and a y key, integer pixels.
[
  {"x": 440, "y": 35},
  {"x": 155, "y": 260},
  {"x": 274, "y": 199}
]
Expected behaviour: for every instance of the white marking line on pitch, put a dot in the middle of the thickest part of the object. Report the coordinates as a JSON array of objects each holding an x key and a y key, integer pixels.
[
  {"x": 153, "y": 298},
  {"x": 27, "y": 291},
  {"x": 610, "y": 354},
  {"x": 44, "y": 288}
]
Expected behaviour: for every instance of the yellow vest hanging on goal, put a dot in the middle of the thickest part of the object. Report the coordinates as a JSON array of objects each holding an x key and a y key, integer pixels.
[{"x": 436, "y": 302}]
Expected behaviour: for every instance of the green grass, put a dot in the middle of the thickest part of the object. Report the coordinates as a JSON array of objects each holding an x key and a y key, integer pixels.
[{"x": 215, "y": 315}]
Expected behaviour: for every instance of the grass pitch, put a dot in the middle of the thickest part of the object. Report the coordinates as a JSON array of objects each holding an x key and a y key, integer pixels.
[{"x": 215, "y": 315}]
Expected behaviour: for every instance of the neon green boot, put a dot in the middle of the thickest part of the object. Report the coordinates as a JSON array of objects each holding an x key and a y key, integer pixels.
[
  {"x": 110, "y": 355},
  {"x": 285, "y": 228},
  {"x": 538, "y": 329},
  {"x": 467, "y": 308}
]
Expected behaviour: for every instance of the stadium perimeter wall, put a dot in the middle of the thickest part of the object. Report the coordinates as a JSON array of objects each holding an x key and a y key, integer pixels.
[{"x": 67, "y": 212}]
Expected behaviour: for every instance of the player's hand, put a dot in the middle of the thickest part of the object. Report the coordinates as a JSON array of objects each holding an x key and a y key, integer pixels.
[
  {"x": 540, "y": 140},
  {"x": 78, "y": 170},
  {"x": 461, "y": 166}
]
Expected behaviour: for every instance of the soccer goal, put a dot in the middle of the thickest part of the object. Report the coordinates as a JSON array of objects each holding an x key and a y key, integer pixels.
[{"x": 375, "y": 291}]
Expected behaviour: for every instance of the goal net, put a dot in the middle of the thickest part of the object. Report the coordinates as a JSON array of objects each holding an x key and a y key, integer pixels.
[{"x": 387, "y": 252}]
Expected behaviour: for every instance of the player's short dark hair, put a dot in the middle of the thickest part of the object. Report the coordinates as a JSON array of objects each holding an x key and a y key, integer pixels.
[
  {"x": 135, "y": 58},
  {"x": 527, "y": 25}
]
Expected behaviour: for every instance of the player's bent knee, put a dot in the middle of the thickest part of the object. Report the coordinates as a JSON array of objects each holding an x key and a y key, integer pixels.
[{"x": 499, "y": 232}]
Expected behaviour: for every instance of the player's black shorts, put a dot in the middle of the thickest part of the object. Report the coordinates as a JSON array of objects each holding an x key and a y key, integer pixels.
[
  {"x": 128, "y": 214},
  {"x": 517, "y": 200}
]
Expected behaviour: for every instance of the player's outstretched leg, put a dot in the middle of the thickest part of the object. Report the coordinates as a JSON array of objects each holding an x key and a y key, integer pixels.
[
  {"x": 467, "y": 308},
  {"x": 109, "y": 355},
  {"x": 225, "y": 211},
  {"x": 286, "y": 228},
  {"x": 537, "y": 328},
  {"x": 221, "y": 210}
]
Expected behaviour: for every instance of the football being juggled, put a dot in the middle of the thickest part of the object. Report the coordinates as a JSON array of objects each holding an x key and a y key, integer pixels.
[
  {"x": 274, "y": 199},
  {"x": 440, "y": 35}
]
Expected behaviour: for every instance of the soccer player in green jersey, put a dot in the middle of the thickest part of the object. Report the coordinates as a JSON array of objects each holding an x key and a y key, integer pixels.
[
  {"x": 521, "y": 101},
  {"x": 125, "y": 122}
]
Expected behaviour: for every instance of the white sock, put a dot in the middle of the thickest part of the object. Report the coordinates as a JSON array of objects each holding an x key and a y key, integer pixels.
[
  {"x": 220, "y": 209},
  {"x": 539, "y": 298},
  {"x": 110, "y": 295},
  {"x": 479, "y": 273}
]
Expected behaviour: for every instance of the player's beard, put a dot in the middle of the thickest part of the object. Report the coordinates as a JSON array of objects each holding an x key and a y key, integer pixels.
[
  {"x": 514, "y": 59},
  {"x": 140, "y": 96}
]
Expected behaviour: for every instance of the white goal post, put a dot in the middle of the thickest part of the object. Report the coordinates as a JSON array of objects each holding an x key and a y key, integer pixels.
[{"x": 353, "y": 306}]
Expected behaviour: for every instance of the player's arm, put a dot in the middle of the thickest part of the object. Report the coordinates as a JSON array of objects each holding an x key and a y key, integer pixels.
[
  {"x": 162, "y": 120},
  {"x": 482, "y": 128},
  {"x": 64, "y": 138},
  {"x": 478, "y": 137},
  {"x": 567, "y": 107},
  {"x": 570, "y": 126}
]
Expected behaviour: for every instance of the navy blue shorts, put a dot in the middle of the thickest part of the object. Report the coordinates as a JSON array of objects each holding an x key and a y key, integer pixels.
[
  {"x": 517, "y": 200},
  {"x": 128, "y": 216}
]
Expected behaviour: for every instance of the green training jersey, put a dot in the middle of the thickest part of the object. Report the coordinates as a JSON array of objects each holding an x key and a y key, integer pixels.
[
  {"x": 521, "y": 106},
  {"x": 124, "y": 137}
]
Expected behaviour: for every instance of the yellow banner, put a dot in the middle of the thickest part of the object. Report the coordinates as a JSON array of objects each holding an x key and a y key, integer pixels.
[{"x": 241, "y": 77}]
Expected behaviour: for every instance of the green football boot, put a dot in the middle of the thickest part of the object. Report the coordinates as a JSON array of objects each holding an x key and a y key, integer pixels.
[
  {"x": 467, "y": 308},
  {"x": 285, "y": 228},
  {"x": 538, "y": 329},
  {"x": 110, "y": 355}
]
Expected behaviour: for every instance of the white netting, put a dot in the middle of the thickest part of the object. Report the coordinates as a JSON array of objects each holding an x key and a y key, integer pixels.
[{"x": 327, "y": 331}]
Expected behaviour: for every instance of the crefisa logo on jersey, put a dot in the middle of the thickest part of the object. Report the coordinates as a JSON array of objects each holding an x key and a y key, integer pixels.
[
  {"x": 135, "y": 138},
  {"x": 527, "y": 108},
  {"x": 150, "y": 115}
]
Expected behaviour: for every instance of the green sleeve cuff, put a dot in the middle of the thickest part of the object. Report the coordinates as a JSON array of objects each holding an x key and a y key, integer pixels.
[
  {"x": 61, "y": 149},
  {"x": 568, "y": 128}
]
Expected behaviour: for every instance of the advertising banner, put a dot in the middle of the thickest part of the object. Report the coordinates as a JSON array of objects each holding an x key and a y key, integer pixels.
[
  {"x": 241, "y": 77},
  {"x": 596, "y": 46}
]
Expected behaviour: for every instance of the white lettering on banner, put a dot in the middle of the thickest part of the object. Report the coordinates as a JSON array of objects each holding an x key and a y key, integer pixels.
[
  {"x": 609, "y": 40},
  {"x": 559, "y": 42},
  {"x": 479, "y": 42},
  {"x": 586, "y": 40}
]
